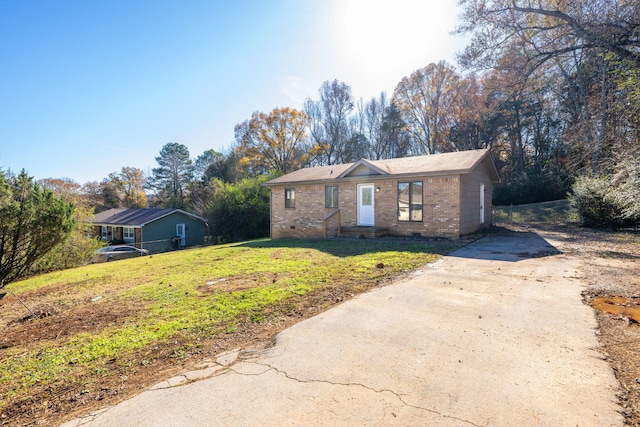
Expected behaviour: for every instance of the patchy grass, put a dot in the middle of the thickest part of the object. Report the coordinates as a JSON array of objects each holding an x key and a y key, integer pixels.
[
  {"x": 104, "y": 331},
  {"x": 545, "y": 212}
]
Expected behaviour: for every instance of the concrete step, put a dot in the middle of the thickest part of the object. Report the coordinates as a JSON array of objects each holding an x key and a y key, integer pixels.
[{"x": 363, "y": 232}]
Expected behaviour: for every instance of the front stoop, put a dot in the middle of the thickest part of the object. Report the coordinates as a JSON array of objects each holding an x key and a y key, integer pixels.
[{"x": 363, "y": 232}]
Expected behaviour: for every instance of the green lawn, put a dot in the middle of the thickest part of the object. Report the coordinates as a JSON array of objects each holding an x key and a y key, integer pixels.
[{"x": 109, "y": 319}]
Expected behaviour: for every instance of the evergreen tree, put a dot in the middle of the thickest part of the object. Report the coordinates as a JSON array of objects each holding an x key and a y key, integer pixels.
[
  {"x": 171, "y": 178},
  {"x": 33, "y": 220}
]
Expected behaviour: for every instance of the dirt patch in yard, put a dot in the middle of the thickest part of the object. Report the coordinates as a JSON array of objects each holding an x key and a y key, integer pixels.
[
  {"x": 55, "y": 404},
  {"x": 50, "y": 322}
]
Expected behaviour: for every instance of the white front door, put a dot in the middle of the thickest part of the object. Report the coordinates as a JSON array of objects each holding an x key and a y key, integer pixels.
[
  {"x": 366, "y": 205},
  {"x": 182, "y": 233},
  {"x": 481, "y": 203}
]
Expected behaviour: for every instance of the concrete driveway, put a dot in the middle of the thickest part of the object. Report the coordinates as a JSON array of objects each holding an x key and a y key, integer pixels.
[{"x": 495, "y": 334}]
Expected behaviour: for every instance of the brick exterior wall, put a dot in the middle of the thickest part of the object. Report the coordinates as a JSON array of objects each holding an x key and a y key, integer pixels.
[
  {"x": 303, "y": 220},
  {"x": 450, "y": 207},
  {"x": 138, "y": 237}
]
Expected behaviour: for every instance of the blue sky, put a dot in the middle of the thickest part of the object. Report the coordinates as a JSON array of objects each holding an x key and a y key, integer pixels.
[{"x": 87, "y": 87}]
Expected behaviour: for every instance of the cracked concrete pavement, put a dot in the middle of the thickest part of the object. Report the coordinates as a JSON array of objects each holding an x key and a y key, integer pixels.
[{"x": 495, "y": 334}]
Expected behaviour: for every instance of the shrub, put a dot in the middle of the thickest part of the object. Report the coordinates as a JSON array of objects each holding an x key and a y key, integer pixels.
[
  {"x": 609, "y": 201},
  {"x": 78, "y": 249},
  {"x": 627, "y": 190},
  {"x": 238, "y": 211},
  {"x": 589, "y": 200}
]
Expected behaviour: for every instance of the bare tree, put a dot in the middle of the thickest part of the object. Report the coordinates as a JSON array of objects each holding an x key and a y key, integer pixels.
[
  {"x": 373, "y": 115},
  {"x": 581, "y": 49},
  {"x": 541, "y": 30},
  {"x": 329, "y": 121},
  {"x": 397, "y": 141},
  {"x": 423, "y": 100},
  {"x": 475, "y": 118}
]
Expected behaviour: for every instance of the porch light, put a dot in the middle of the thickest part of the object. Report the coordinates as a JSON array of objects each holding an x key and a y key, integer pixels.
[{"x": 377, "y": 189}]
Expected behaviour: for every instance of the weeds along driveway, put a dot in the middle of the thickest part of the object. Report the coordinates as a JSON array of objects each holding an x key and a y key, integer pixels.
[{"x": 495, "y": 334}]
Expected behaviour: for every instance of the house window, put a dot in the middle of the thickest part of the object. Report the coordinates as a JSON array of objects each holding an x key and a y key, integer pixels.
[
  {"x": 289, "y": 197},
  {"x": 410, "y": 201},
  {"x": 331, "y": 196},
  {"x": 104, "y": 232},
  {"x": 128, "y": 234}
]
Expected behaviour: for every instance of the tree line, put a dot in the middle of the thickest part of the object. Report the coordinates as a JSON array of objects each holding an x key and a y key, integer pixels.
[{"x": 551, "y": 88}]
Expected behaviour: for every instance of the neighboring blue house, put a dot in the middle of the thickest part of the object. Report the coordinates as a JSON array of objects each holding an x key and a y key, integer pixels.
[{"x": 154, "y": 229}]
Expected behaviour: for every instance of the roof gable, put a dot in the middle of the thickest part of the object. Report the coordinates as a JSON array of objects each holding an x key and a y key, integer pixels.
[
  {"x": 362, "y": 168},
  {"x": 492, "y": 169}
]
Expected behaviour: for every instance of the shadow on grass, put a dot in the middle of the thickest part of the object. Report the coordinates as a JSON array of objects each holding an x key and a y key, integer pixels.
[{"x": 354, "y": 247}]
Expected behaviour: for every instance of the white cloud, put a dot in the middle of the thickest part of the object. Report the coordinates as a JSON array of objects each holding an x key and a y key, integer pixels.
[{"x": 296, "y": 90}]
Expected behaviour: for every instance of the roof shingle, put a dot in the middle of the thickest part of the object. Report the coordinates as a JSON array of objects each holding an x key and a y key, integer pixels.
[
  {"x": 454, "y": 163},
  {"x": 134, "y": 216}
]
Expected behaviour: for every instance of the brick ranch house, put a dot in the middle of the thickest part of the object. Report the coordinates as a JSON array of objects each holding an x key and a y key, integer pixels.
[{"x": 447, "y": 195}]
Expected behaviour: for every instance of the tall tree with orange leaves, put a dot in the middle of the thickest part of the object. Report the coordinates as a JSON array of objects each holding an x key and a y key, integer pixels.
[{"x": 274, "y": 142}]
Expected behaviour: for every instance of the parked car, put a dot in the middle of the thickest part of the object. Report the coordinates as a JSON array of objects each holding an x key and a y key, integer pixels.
[{"x": 113, "y": 253}]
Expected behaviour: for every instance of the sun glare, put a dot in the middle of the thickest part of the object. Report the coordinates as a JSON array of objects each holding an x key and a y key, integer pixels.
[{"x": 386, "y": 40}]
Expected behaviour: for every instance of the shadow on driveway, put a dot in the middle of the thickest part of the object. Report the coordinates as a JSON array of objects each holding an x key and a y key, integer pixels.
[{"x": 503, "y": 244}]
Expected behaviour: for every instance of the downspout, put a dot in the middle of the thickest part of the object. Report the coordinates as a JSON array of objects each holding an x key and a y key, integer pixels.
[{"x": 270, "y": 214}]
